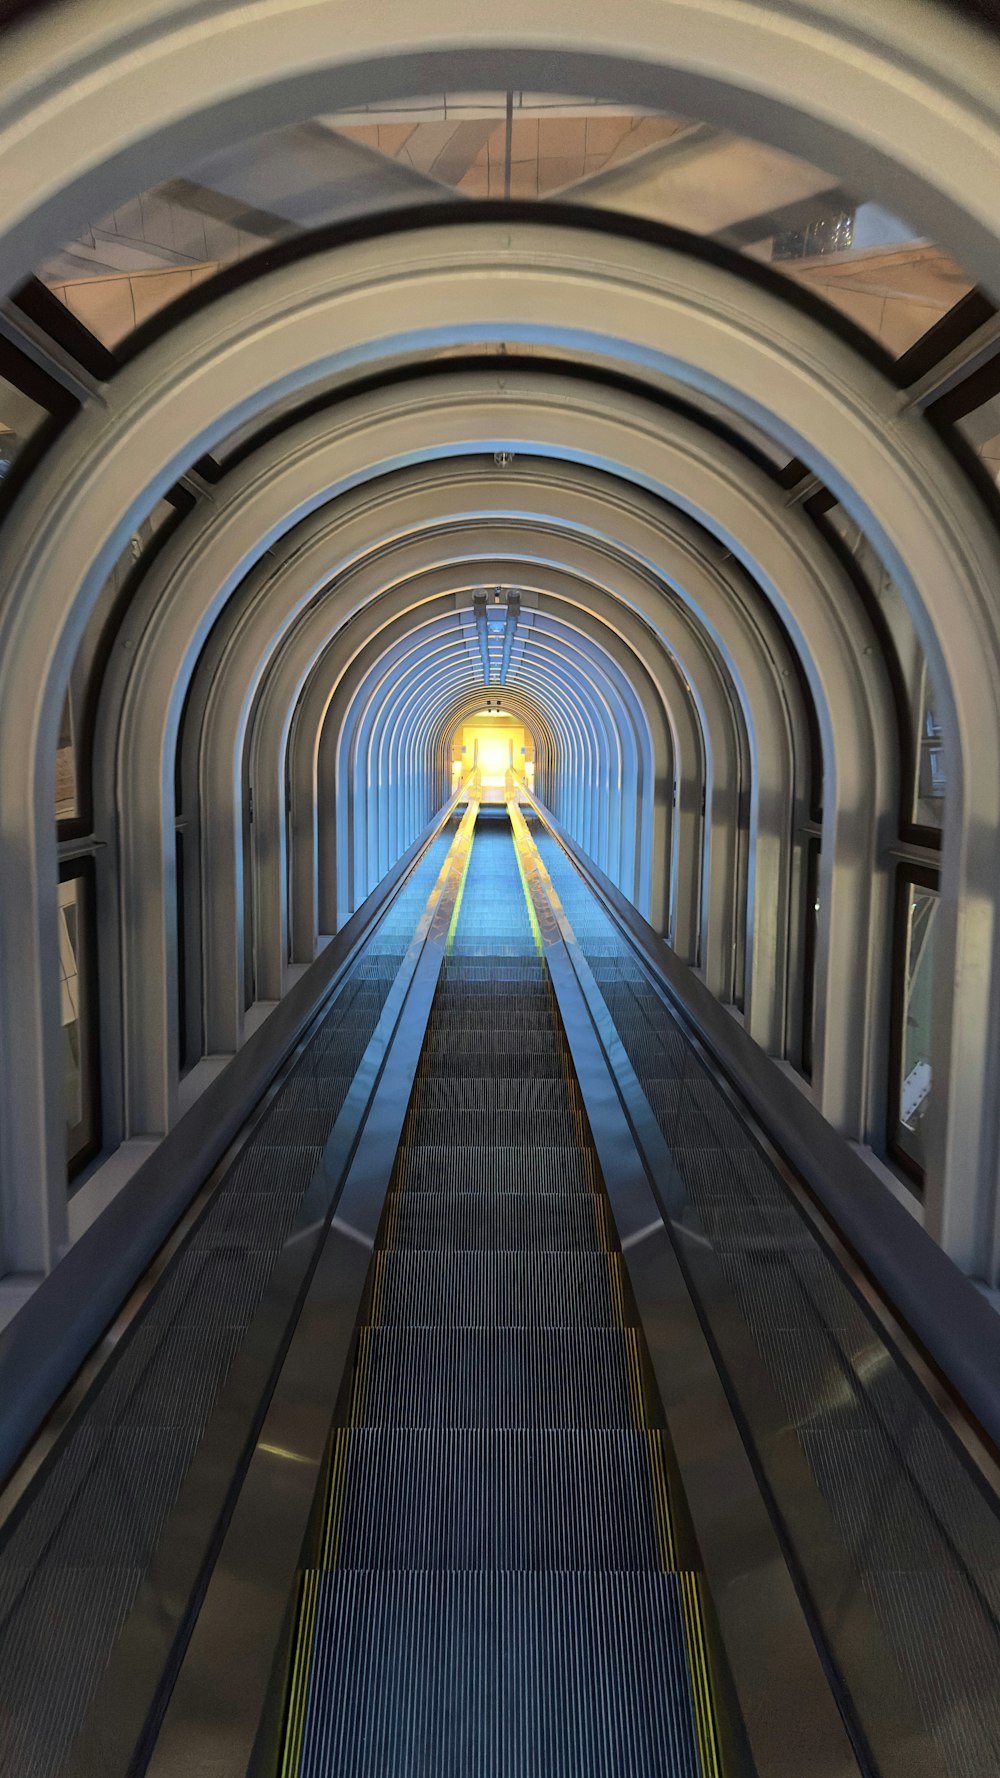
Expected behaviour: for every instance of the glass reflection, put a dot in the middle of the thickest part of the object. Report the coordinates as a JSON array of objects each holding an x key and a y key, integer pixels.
[
  {"x": 923, "y": 802},
  {"x": 981, "y": 429},
  {"x": 72, "y": 757},
  {"x": 441, "y": 148},
  {"x": 915, "y": 1011},
  {"x": 78, "y": 989},
  {"x": 19, "y": 418},
  {"x": 70, "y": 930},
  {"x": 931, "y": 777},
  {"x": 66, "y": 799}
]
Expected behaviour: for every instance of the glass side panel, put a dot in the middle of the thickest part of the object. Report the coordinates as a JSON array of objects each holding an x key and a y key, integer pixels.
[
  {"x": 72, "y": 758},
  {"x": 19, "y": 419},
  {"x": 441, "y": 147},
  {"x": 868, "y": 264},
  {"x": 78, "y": 991},
  {"x": 931, "y": 778},
  {"x": 70, "y": 924},
  {"x": 67, "y": 806},
  {"x": 914, "y": 1010},
  {"x": 981, "y": 429},
  {"x": 811, "y": 892},
  {"x": 924, "y": 799}
]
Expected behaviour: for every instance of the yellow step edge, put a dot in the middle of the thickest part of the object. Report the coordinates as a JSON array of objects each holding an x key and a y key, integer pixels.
[
  {"x": 360, "y": 1377},
  {"x": 391, "y": 1219},
  {"x": 601, "y": 1224},
  {"x": 335, "y": 1497},
  {"x": 298, "y": 1688},
  {"x": 701, "y": 1682},
  {"x": 662, "y": 1513},
  {"x": 634, "y": 1370},
  {"x": 615, "y": 1289},
  {"x": 378, "y": 1288}
]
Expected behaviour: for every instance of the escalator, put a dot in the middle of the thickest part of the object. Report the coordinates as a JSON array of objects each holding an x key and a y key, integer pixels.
[
  {"x": 504, "y": 1406},
  {"x": 499, "y": 1581}
]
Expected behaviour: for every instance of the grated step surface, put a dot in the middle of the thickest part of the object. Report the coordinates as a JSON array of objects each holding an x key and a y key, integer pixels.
[
  {"x": 453, "y": 1167},
  {"x": 511, "y": 1222},
  {"x": 503, "y": 1500},
  {"x": 512, "y": 1675},
  {"x": 502, "y": 1377},
  {"x": 473, "y": 1289}
]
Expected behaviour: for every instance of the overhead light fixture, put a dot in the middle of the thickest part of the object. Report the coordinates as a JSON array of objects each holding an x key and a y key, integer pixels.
[{"x": 503, "y": 459}]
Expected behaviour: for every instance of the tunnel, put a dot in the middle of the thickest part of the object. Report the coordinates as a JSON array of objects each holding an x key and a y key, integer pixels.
[{"x": 500, "y": 914}]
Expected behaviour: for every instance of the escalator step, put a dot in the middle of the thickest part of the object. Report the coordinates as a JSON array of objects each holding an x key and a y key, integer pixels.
[
  {"x": 507, "y": 1222},
  {"x": 506, "y": 1129},
  {"x": 532, "y": 1011},
  {"x": 502, "y": 1500},
  {"x": 507, "y": 1377},
  {"x": 698, "y": 1112},
  {"x": 459, "y": 1062},
  {"x": 512, "y": 1675},
  {"x": 450, "y": 1167},
  {"x": 497, "y": 1289},
  {"x": 478, "y": 1041},
  {"x": 495, "y": 1092}
]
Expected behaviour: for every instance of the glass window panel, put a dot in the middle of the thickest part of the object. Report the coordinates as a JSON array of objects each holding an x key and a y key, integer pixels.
[
  {"x": 69, "y": 969},
  {"x": 774, "y": 206},
  {"x": 924, "y": 799},
  {"x": 870, "y": 266},
  {"x": 66, "y": 798},
  {"x": 914, "y": 1011},
  {"x": 72, "y": 757},
  {"x": 981, "y": 429},
  {"x": 931, "y": 779},
  {"x": 19, "y": 418},
  {"x": 811, "y": 925},
  {"x": 78, "y": 1005}
]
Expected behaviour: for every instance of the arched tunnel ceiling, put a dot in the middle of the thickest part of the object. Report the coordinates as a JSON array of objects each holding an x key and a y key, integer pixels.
[{"x": 572, "y": 405}]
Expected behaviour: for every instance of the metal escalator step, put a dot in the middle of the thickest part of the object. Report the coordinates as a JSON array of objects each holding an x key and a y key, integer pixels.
[
  {"x": 487, "y": 1039},
  {"x": 507, "y": 1129},
  {"x": 57, "y": 1624},
  {"x": 534, "y": 1009},
  {"x": 273, "y": 1167},
  {"x": 105, "y": 1503},
  {"x": 519, "y": 964},
  {"x": 221, "y": 1285},
  {"x": 508, "y": 1221},
  {"x": 495, "y": 1092},
  {"x": 335, "y": 1060},
  {"x": 485, "y": 1499},
  {"x": 698, "y": 1110},
  {"x": 451, "y": 1025},
  {"x": 500, "y": 954},
  {"x": 454, "y": 1022},
  {"x": 440, "y": 1167},
  {"x": 548, "y": 1064},
  {"x": 315, "y": 1092},
  {"x": 166, "y": 1375},
  {"x": 742, "y": 1177},
  {"x": 247, "y": 1219},
  {"x": 300, "y": 1124},
  {"x": 505, "y": 1377},
  {"x": 500, "y": 1676},
  {"x": 568, "y": 1289}
]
